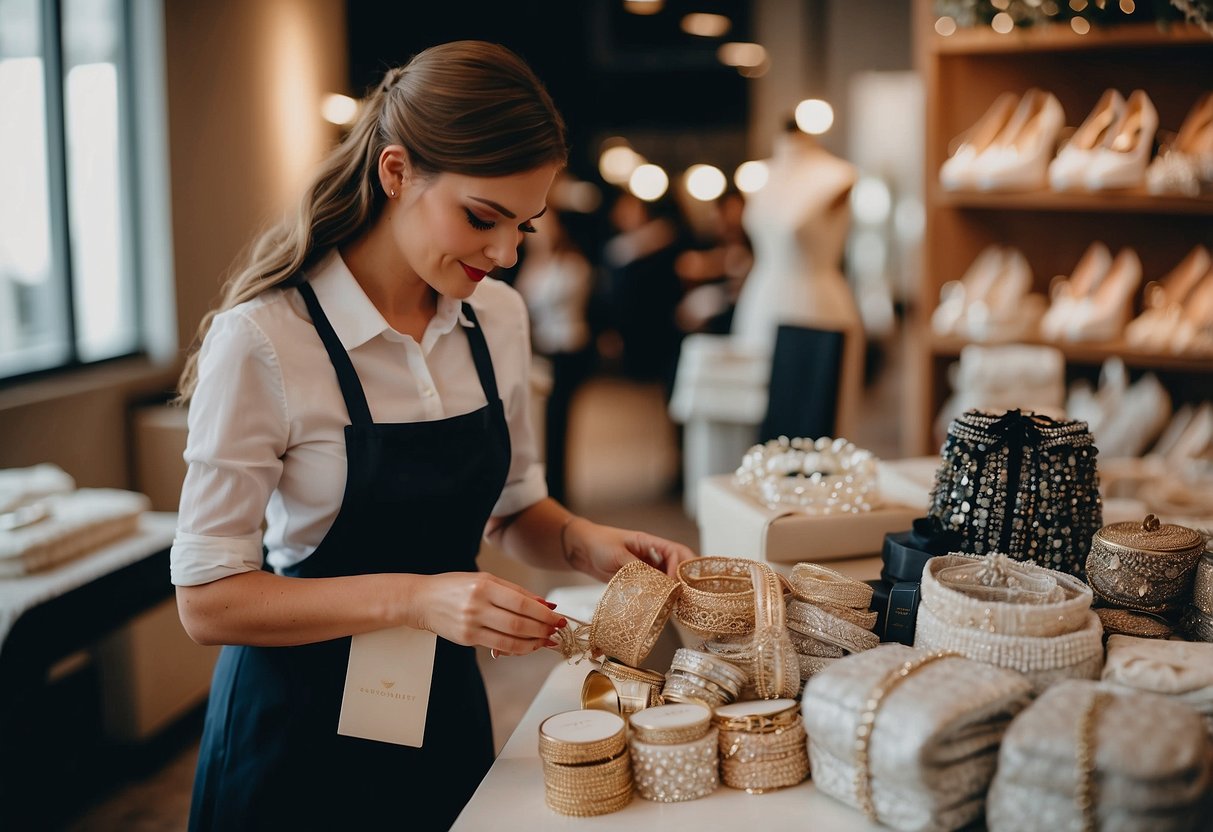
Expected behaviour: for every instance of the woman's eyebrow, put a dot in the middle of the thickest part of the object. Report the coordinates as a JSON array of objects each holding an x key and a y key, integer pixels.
[{"x": 505, "y": 212}]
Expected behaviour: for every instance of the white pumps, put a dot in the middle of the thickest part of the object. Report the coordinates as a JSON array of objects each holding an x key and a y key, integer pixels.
[
  {"x": 1187, "y": 164},
  {"x": 992, "y": 301},
  {"x": 1102, "y": 315},
  {"x": 1067, "y": 171},
  {"x": 1018, "y": 160},
  {"x": 1156, "y": 327},
  {"x": 1009, "y": 147},
  {"x": 1121, "y": 163},
  {"x": 957, "y": 172},
  {"x": 1067, "y": 292}
]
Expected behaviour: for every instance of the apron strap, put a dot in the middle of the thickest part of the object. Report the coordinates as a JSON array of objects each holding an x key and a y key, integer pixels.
[
  {"x": 480, "y": 355},
  {"x": 351, "y": 388}
]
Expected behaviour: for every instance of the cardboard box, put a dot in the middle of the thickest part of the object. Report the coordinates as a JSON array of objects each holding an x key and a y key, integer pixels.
[{"x": 732, "y": 523}]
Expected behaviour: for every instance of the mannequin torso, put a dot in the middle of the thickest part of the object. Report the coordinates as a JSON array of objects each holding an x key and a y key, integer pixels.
[{"x": 798, "y": 224}]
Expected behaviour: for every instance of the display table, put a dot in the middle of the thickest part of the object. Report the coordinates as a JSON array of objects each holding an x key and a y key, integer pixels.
[
  {"x": 46, "y": 617},
  {"x": 511, "y": 796}
]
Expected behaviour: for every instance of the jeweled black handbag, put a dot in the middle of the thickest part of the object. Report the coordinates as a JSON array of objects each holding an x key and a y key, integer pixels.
[{"x": 1022, "y": 484}]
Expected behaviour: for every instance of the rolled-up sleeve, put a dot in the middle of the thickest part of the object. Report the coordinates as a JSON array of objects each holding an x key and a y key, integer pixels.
[
  {"x": 238, "y": 433},
  {"x": 525, "y": 484}
]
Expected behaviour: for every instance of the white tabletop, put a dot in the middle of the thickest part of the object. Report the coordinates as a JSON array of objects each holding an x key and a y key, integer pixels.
[{"x": 511, "y": 795}]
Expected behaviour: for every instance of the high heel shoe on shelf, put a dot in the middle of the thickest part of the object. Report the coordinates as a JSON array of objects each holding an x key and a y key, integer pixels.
[
  {"x": 957, "y": 172},
  {"x": 1007, "y": 311},
  {"x": 1103, "y": 314},
  {"x": 1185, "y": 167},
  {"x": 956, "y": 295},
  {"x": 1018, "y": 160},
  {"x": 991, "y": 301},
  {"x": 1193, "y": 332},
  {"x": 1153, "y": 330},
  {"x": 1068, "y": 169},
  {"x": 1121, "y": 163},
  {"x": 1065, "y": 293}
]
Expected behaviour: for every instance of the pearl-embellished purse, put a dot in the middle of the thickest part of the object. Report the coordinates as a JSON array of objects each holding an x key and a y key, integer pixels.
[
  {"x": 1088, "y": 756},
  {"x": 909, "y": 737}
]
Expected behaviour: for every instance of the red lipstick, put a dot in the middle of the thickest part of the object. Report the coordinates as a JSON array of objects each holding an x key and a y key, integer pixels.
[{"x": 474, "y": 275}]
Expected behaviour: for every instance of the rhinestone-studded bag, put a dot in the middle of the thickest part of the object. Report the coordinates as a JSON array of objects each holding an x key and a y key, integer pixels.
[{"x": 1022, "y": 484}]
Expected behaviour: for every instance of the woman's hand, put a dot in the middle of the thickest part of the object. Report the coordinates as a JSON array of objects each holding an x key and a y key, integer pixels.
[
  {"x": 600, "y": 551},
  {"x": 476, "y": 608}
]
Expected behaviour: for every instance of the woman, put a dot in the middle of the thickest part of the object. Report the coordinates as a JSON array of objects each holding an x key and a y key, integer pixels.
[{"x": 355, "y": 393}]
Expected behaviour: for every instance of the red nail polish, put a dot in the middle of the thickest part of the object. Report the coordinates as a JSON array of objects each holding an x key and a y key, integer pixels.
[
  {"x": 562, "y": 623},
  {"x": 550, "y": 605}
]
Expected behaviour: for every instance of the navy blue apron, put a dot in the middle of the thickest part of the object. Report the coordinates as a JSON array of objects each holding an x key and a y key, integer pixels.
[{"x": 416, "y": 500}]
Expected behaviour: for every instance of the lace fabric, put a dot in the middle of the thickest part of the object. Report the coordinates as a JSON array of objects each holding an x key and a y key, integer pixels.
[{"x": 632, "y": 612}]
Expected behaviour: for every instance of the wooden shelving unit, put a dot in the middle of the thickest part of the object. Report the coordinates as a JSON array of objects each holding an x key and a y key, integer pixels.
[{"x": 962, "y": 75}]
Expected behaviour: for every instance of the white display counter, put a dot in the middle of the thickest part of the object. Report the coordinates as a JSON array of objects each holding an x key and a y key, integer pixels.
[{"x": 511, "y": 795}]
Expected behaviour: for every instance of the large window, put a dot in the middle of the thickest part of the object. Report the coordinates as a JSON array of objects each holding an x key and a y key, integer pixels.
[{"x": 68, "y": 266}]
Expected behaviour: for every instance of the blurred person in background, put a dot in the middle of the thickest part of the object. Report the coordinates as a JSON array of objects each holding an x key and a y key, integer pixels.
[
  {"x": 643, "y": 288},
  {"x": 712, "y": 274},
  {"x": 556, "y": 281}
]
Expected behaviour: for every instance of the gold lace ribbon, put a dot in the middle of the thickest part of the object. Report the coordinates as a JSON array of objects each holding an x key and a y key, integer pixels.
[{"x": 632, "y": 612}]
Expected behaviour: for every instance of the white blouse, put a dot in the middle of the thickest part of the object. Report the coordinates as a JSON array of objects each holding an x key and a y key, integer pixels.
[{"x": 267, "y": 420}]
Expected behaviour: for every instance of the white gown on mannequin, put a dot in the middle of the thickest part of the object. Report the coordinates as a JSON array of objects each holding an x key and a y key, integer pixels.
[{"x": 798, "y": 225}]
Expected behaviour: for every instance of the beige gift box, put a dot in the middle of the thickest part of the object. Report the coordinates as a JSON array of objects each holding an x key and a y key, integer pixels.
[{"x": 733, "y": 523}]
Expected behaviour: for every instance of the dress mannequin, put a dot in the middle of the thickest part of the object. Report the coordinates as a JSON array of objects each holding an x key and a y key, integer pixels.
[{"x": 798, "y": 225}]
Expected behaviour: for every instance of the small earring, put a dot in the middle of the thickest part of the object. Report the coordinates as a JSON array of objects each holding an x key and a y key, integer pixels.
[{"x": 391, "y": 194}]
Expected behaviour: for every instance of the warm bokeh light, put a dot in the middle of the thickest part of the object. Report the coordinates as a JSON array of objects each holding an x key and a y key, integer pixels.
[
  {"x": 1001, "y": 5},
  {"x": 643, "y": 6},
  {"x": 648, "y": 182},
  {"x": 945, "y": 26},
  {"x": 1128, "y": 6},
  {"x": 1078, "y": 5},
  {"x": 751, "y": 176},
  {"x": 871, "y": 201},
  {"x": 617, "y": 163},
  {"x": 1002, "y": 23},
  {"x": 339, "y": 109},
  {"x": 1080, "y": 25},
  {"x": 705, "y": 182},
  {"x": 814, "y": 116},
  {"x": 706, "y": 25},
  {"x": 741, "y": 54}
]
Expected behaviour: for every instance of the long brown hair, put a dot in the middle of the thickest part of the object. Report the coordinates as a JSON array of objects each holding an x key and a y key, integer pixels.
[{"x": 468, "y": 107}]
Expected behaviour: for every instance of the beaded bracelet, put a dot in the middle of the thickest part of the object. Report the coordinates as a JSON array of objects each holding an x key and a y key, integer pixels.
[
  {"x": 687, "y": 687},
  {"x": 809, "y": 647},
  {"x": 588, "y": 790},
  {"x": 717, "y": 596},
  {"x": 1000, "y": 595},
  {"x": 816, "y": 623},
  {"x": 632, "y": 612},
  {"x": 818, "y": 584},
  {"x": 673, "y": 773},
  {"x": 1027, "y": 654},
  {"x": 826, "y": 476},
  {"x": 671, "y": 724},
  {"x": 707, "y": 666},
  {"x": 762, "y": 745},
  {"x": 776, "y": 665},
  {"x": 864, "y": 619}
]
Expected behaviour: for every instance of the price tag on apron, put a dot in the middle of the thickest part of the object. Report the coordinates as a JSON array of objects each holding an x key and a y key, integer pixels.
[{"x": 387, "y": 686}]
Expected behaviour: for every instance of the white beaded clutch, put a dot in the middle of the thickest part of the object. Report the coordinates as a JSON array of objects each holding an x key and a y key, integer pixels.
[
  {"x": 931, "y": 741},
  {"x": 1088, "y": 756}
]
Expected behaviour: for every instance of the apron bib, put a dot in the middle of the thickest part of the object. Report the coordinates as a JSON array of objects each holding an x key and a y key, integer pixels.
[{"x": 416, "y": 500}]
